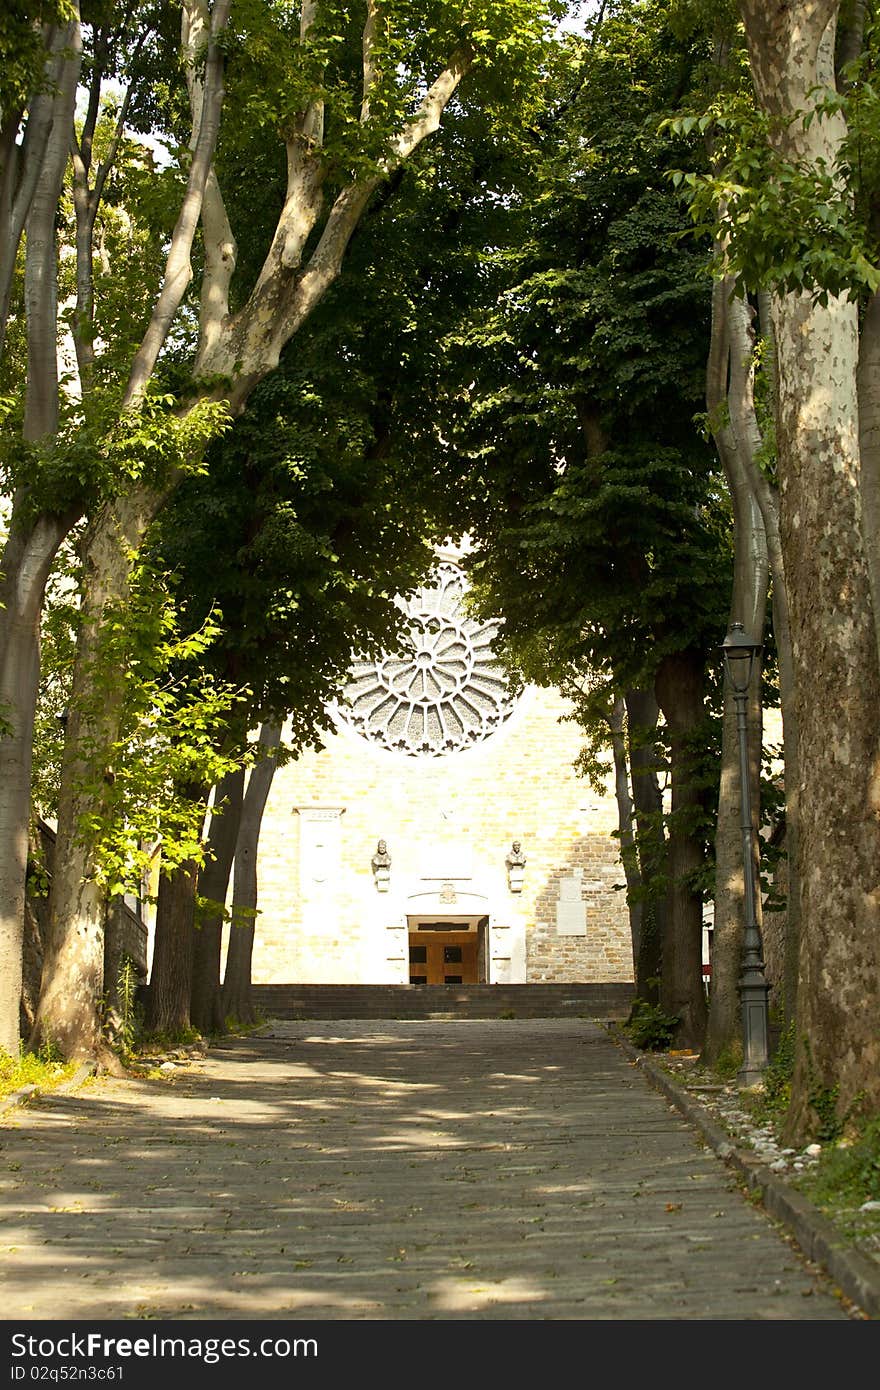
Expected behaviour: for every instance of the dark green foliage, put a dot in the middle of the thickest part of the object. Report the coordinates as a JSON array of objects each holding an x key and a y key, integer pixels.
[
  {"x": 603, "y": 528},
  {"x": 601, "y": 523},
  {"x": 771, "y": 1102},
  {"x": 849, "y": 1173},
  {"x": 649, "y": 1027},
  {"x": 323, "y": 502}
]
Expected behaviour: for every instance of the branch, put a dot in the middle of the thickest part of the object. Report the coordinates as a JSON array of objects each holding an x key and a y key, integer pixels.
[
  {"x": 87, "y": 200},
  {"x": 221, "y": 252},
  {"x": 311, "y": 126},
  {"x": 218, "y": 240},
  {"x": 346, "y": 212},
  {"x": 38, "y": 126},
  {"x": 178, "y": 268},
  {"x": 280, "y": 301},
  {"x": 41, "y": 258},
  {"x": 717, "y": 365},
  {"x": 18, "y": 191},
  {"x": 107, "y": 163},
  {"x": 427, "y": 118},
  {"x": 369, "y": 42}
]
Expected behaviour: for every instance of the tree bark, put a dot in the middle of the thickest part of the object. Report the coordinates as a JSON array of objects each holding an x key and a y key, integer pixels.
[
  {"x": 23, "y": 166},
  {"x": 851, "y": 35},
  {"x": 625, "y": 811},
  {"x": 868, "y": 386},
  {"x": 69, "y": 1009},
  {"x": 206, "y": 1008},
  {"x": 832, "y": 621},
  {"x": 679, "y": 687},
  {"x": 729, "y": 381},
  {"x": 199, "y": 27},
  {"x": 41, "y": 257},
  {"x": 237, "y": 998},
  {"x": 171, "y": 974},
  {"x": 749, "y": 442},
  {"x": 642, "y": 714},
  {"x": 26, "y": 564}
]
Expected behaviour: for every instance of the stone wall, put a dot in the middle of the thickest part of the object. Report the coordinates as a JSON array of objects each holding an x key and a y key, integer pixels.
[{"x": 449, "y": 823}]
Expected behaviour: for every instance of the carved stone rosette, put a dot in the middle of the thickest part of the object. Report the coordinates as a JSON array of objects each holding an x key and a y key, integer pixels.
[{"x": 444, "y": 690}]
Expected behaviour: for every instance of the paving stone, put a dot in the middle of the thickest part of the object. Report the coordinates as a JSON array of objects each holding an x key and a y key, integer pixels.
[{"x": 358, "y": 1169}]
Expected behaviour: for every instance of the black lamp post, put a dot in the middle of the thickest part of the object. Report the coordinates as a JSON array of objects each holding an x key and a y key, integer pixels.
[{"x": 740, "y": 656}]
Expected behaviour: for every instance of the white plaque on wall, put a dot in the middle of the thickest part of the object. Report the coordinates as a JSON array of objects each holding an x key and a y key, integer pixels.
[
  {"x": 571, "y": 912},
  {"x": 320, "y": 856}
]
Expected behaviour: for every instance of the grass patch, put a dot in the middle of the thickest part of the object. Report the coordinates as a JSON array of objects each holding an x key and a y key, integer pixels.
[
  {"x": 32, "y": 1069},
  {"x": 846, "y": 1176},
  {"x": 149, "y": 1043}
]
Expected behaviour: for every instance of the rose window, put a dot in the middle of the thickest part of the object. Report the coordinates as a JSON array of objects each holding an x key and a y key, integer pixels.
[{"x": 444, "y": 690}]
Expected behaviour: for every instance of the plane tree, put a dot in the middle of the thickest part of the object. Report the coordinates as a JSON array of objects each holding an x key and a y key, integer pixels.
[
  {"x": 792, "y": 197},
  {"x": 595, "y": 501},
  {"x": 348, "y": 93}
]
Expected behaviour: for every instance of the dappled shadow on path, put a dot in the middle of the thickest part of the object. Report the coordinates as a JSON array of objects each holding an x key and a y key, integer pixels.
[{"x": 393, "y": 1170}]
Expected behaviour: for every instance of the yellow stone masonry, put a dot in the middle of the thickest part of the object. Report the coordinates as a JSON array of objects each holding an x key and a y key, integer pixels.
[{"x": 449, "y": 823}]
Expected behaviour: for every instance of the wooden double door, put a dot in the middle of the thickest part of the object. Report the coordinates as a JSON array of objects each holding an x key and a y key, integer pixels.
[{"x": 443, "y": 958}]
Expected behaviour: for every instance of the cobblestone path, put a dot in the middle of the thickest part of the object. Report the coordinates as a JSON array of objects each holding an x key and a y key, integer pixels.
[{"x": 386, "y": 1170}]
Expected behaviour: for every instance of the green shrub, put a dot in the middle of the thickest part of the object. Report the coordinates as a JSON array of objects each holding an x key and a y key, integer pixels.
[
  {"x": 848, "y": 1173},
  {"x": 649, "y": 1028}
]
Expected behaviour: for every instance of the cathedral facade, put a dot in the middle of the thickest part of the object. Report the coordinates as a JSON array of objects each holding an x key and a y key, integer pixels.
[{"x": 441, "y": 836}]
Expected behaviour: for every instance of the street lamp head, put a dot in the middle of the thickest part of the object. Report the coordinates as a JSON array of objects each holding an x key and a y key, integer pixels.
[{"x": 739, "y": 657}]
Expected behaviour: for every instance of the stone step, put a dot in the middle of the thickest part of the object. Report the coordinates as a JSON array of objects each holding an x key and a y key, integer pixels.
[{"x": 293, "y": 1001}]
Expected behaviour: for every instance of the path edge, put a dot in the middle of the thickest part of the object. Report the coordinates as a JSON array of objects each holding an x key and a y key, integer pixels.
[{"x": 857, "y": 1277}]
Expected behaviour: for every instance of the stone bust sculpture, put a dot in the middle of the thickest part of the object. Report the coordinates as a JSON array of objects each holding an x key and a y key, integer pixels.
[
  {"x": 381, "y": 864},
  {"x": 515, "y": 867}
]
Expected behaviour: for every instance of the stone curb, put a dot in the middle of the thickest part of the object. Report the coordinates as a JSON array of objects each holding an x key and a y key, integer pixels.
[
  {"x": 16, "y": 1098},
  {"x": 32, "y": 1091},
  {"x": 853, "y": 1273}
]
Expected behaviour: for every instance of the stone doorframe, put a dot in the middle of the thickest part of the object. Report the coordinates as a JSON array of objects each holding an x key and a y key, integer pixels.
[{"x": 503, "y": 944}]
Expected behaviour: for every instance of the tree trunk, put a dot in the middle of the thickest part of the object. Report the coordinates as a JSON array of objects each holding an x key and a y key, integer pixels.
[
  {"x": 27, "y": 561},
  {"x": 171, "y": 974},
  {"x": 206, "y": 1008},
  {"x": 32, "y": 544},
  {"x": 868, "y": 384},
  {"x": 838, "y": 698},
  {"x": 679, "y": 687},
  {"x": 628, "y": 854},
  {"x": 792, "y": 777},
  {"x": 748, "y": 436},
  {"x": 729, "y": 382},
  {"x": 237, "y": 1000},
  {"x": 851, "y": 36},
  {"x": 745, "y": 428},
  {"x": 69, "y": 1009},
  {"x": 170, "y": 988},
  {"x": 724, "y": 1023},
  {"x": 642, "y": 714},
  {"x": 832, "y": 622}
]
